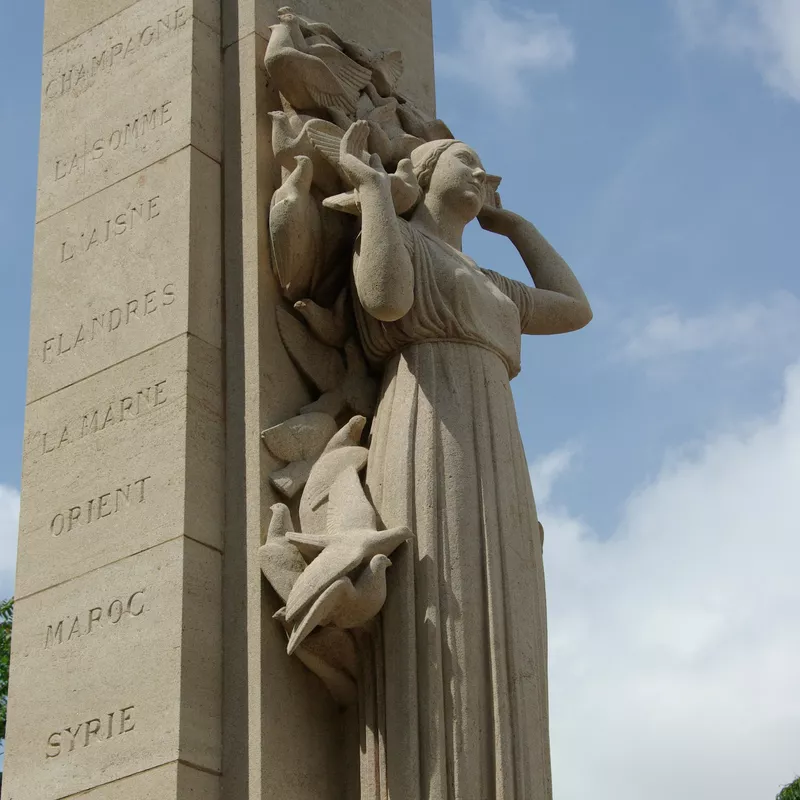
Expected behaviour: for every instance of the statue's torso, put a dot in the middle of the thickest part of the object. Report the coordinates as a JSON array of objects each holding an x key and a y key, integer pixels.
[{"x": 454, "y": 301}]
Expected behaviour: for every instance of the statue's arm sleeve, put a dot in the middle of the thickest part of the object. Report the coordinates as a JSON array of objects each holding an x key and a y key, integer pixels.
[{"x": 521, "y": 294}]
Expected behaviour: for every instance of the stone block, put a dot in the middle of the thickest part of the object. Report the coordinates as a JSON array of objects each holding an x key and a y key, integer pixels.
[
  {"x": 166, "y": 782},
  {"x": 123, "y": 461},
  {"x": 134, "y": 89},
  {"x": 125, "y": 270},
  {"x": 66, "y": 19},
  {"x": 107, "y": 680}
]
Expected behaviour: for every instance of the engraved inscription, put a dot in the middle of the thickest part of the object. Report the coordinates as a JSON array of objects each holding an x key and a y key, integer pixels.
[
  {"x": 98, "y": 234},
  {"x": 79, "y": 76},
  {"x": 96, "y": 420},
  {"x": 99, "y": 507},
  {"x": 100, "y": 729},
  {"x": 118, "y": 138},
  {"x": 95, "y": 619},
  {"x": 107, "y": 322}
]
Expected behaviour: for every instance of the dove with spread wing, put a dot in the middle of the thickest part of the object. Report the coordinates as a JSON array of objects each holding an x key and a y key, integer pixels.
[{"x": 352, "y": 539}]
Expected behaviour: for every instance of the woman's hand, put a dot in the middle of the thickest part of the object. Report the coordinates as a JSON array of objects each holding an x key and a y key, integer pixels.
[
  {"x": 496, "y": 219},
  {"x": 362, "y": 170}
]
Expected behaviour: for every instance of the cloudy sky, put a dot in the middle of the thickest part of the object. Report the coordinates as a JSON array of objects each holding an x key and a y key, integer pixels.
[{"x": 656, "y": 144}]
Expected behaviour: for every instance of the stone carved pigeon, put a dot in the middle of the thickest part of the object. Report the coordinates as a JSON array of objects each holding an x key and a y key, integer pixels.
[
  {"x": 341, "y": 452},
  {"x": 345, "y": 604},
  {"x": 290, "y": 139},
  {"x": 295, "y": 230},
  {"x": 299, "y": 441},
  {"x": 405, "y": 189},
  {"x": 322, "y": 365},
  {"x": 418, "y": 125},
  {"x": 352, "y": 539},
  {"x": 388, "y": 138},
  {"x": 330, "y": 653},
  {"x": 312, "y": 76},
  {"x": 281, "y": 561},
  {"x": 358, "y": 392},
  {"x": 329, "y": 325},
  {"x": 386, "y": 65}
]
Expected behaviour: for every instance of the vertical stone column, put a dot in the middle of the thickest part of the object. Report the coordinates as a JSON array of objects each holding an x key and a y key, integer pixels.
[
  {"x": 116, "y": 676},
  {"x": 284, "y": 737}
]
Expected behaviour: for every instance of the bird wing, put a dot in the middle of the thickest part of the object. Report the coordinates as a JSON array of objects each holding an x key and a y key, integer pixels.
[
  {"x": 349, "y": 76},
  {"x": 369, "y": 595},
  {"x": 313, "y": 28},
  {"x": 390, "y": 63},
  {"x": 383, "y": 542},
  {"x": 321, "y": 364},
  {"x": 319, "y": 38},
  {"x": 289, "y": 480},
  {"x": 348, "y": 507},
  {"x": 300, "y": 437},
  {"x": 311, "y": 543},
  {"x": 327, "y": 138},
  {"x": 324, "y": 607},
  {"x": 325, "y": 472},
  {"x": 282, "y": 565},
  {"x": 334, "y": 562},
  {"x": 347, "y": 203}
]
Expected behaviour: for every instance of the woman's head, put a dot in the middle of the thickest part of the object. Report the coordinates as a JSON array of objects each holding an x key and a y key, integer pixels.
[{"x": 451, "y": 173}]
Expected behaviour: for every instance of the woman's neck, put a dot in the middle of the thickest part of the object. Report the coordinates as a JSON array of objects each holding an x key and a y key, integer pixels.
[{"x": 440, "y": 222}]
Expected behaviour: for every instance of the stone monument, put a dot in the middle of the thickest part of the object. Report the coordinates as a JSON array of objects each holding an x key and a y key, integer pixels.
[{"x": 277, "y": 538}]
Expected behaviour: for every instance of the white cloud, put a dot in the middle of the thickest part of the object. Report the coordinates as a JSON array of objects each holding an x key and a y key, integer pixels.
[
  {"x": 767, "y": 31},
  {"x": 743, "y": 333},
  {"x": 9, "y": 523},
  {"x": 500, "y": 52},
  {"x": 674, "y": 642},
  {"x": 547, "y": 470}
]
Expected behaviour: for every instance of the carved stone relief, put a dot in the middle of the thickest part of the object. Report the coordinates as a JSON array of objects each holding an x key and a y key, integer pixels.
[
  {"x": 409, "y": 451},
  {"x": 331, "y": 574}
]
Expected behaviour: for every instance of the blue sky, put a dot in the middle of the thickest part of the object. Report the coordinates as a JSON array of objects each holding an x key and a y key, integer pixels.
[{"x": 655, "y": 144}]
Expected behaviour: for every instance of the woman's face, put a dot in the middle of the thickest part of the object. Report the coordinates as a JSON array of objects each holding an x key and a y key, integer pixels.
[{"x": 459, "y": 180}]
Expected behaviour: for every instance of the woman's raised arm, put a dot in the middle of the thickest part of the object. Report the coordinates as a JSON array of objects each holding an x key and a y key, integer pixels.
[
  {"x": 560, "y": 305},
  {"x": 382, "y": 268}
]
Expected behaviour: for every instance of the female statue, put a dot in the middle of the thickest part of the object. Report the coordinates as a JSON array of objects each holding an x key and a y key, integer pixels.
[{"x": 461, "y": 676}]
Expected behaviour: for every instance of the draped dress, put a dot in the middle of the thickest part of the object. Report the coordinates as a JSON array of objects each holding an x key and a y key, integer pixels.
[{"x": 458, "y": 705}]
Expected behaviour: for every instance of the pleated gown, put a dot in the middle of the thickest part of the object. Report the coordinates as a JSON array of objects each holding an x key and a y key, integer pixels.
[{"x": 457, "y": 705}]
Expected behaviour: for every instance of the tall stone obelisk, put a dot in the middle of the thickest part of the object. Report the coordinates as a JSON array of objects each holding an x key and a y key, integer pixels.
[{"x": 145, "y": 663}]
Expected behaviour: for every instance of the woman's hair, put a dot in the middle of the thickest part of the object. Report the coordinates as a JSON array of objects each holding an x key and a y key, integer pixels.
[{"x": 425, "y": 158}]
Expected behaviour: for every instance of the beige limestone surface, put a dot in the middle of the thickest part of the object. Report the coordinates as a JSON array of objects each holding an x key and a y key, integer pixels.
[
  {"x": 117, "y": 672},
  {"x": 131, "y": 100},
  {"x": 107, "y": 114},
  {"x": 172, "y": 780},
  {"x": 66, "y": 19},
  {"x": 262, "y": 388},
  {"x": 106, "y": 460},
  {"x": 126, "y": 269},
  {"x": 452, "y": 686}
]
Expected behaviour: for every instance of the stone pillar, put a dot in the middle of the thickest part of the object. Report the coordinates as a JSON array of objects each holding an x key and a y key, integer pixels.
[
  {"x": 155, "y": 363},
  {"x": 116, "y": 676},
  {"x": 284, "y": 736}
]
